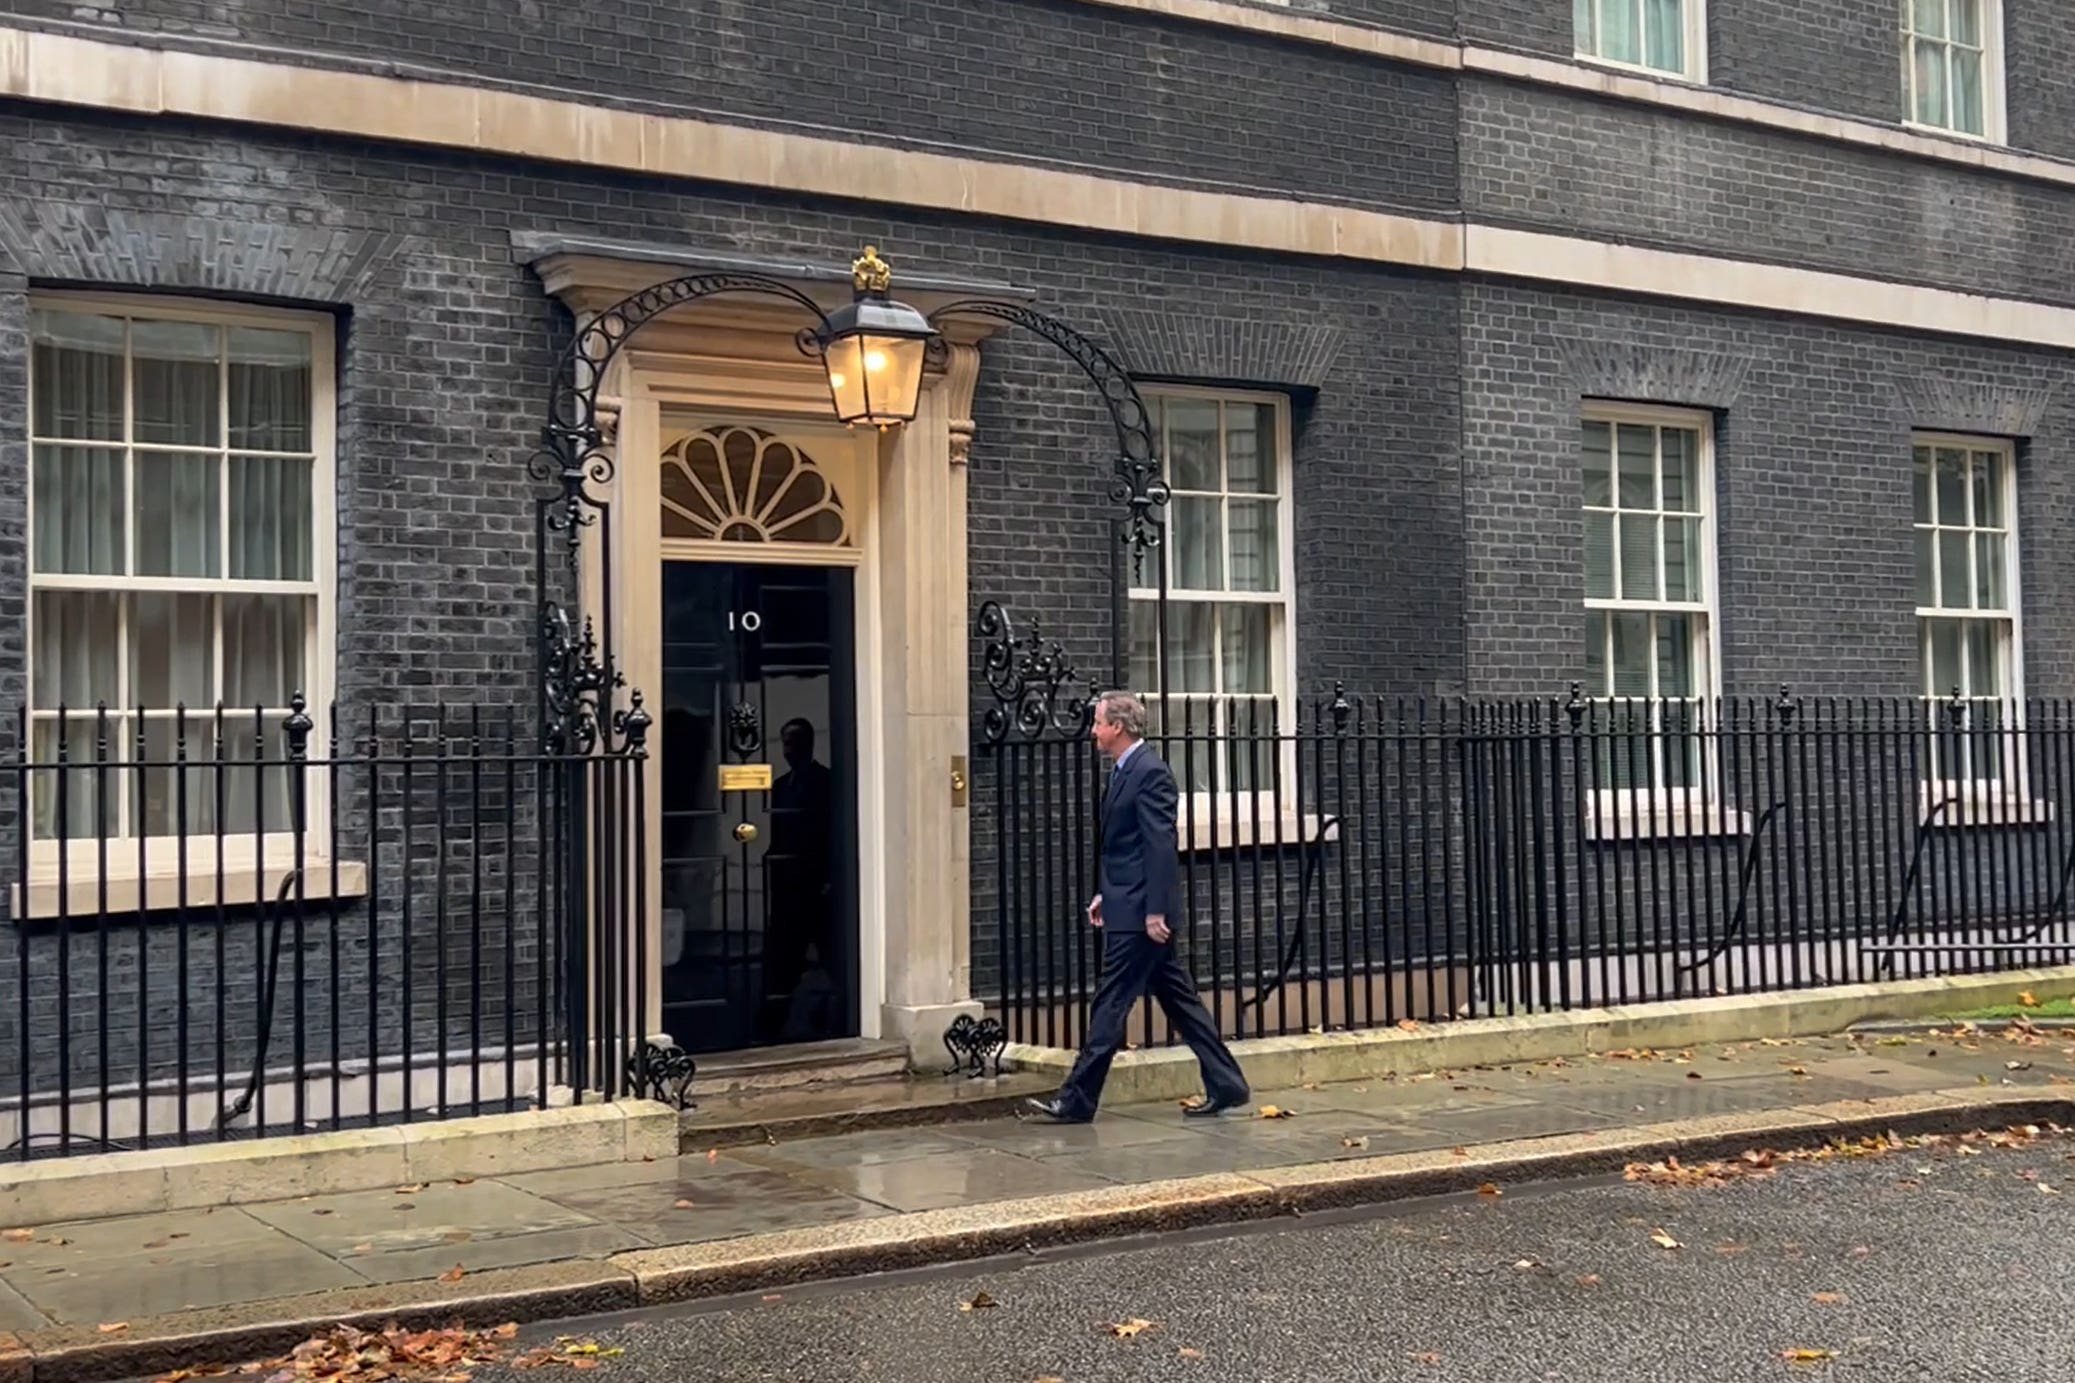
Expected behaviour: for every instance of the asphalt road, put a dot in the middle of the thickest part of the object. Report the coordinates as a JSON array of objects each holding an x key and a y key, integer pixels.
[{"x": 1931, "y": 1265}]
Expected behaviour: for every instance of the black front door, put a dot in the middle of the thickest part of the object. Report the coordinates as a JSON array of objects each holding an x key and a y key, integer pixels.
[{"x": 758, "y": 756}]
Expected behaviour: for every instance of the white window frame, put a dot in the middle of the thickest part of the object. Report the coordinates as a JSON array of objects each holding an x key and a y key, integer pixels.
[
  {"x": 1994, "y": 98},
  {"x": 1214, "y": 811},
  {"x": 1980, "y": 801},
  {"x": 252, "y": 868},
  {"x": 1692, "y": 15},
  {"x": 1619, "y": 813}
]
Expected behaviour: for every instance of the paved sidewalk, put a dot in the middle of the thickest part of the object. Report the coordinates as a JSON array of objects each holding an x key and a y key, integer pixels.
[{"x": 106, "y": 1271}]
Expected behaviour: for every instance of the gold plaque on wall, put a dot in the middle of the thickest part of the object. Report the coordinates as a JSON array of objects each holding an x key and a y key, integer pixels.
[{"x": 745, "y": 777}]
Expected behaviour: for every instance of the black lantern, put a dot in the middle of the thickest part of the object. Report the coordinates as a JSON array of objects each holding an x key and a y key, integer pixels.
[{"x": 873, "y": 349}]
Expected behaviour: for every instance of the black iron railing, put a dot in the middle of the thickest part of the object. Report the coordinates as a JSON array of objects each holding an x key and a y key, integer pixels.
[
  {"x": 264, "y": 922},
  {"x": 1364, "y": 863}
]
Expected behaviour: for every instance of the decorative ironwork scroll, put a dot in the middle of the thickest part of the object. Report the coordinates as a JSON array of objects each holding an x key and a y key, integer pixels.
[
  {"x": 1035, "y": 687},
  {"x": 974, "y": 1045},
  {"x": 662, "y": 1071}
]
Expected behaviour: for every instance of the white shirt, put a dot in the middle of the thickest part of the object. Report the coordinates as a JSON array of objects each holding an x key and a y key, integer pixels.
[{"x": 1125, "y": 757}]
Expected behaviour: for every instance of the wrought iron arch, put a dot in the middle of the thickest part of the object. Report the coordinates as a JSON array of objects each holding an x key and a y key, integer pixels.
[
  {"x": 1135, "y": 481},
  {"x": 578, "y": 671}
]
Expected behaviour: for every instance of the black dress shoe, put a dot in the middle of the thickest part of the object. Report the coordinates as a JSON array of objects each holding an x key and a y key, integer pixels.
[
  {"x": 1056, "y": 1111},
  {"x": 1211, "y": 1109}
]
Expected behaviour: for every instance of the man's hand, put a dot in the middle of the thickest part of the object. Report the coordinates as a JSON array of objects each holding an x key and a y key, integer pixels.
[
  {"x": 1095, "y": 911},
  {"x": 1156, "y": 928}
]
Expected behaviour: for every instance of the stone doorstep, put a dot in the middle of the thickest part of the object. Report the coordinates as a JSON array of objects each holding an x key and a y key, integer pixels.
[
  {"x": 1169, "y": 1073},
  {"x": 766, "y": 1262},
  {"x": 104, "y": 1185}
]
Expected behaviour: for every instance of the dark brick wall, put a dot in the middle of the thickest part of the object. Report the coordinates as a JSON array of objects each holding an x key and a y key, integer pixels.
[
  {"x": 1043, "y": 79},
  {"x": 1812, "y": 479},
  {"x": 1844, "y": 56},
  {"x": 2040, "y": 43},
  {"x": 1614, "y": 171},
  {"x": 1536, "y": 26}
]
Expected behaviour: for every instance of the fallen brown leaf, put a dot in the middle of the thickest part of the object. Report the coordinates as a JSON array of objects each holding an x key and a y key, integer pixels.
[
  {"x": 1357, "y": 1143},
  {"x": 113, "y": 1327},
  {"x": 464, "y": 1181},
  {"x": 1664, "y": 1240},
  {"x": 1271, "y": 1111},
  {"x": 1459, "y": 1152},
  {"x": 1587, "y": 1280},
  {"x": 18, "y": 1236},
  {"x": 411, "y": 1190},
  {"x": 713, "y": 1154},
  {"x": 1125, "y": 1330},
  {"x": 1407, "y": 1025},
  {"x": 683, "y": 1205},
  {"x": 980, "y": 1302},
  {"x": 1808, "y": 1356},
  {"x": 1830, "y": 1298},
  {"x": 454, "y": 1274},
  {"x": 1427, "y": 1357},
  {"x": 1187, "y": 1353},
  {"x": 2028, "y": 999},
  {"x": 1490, "y": 1188}
]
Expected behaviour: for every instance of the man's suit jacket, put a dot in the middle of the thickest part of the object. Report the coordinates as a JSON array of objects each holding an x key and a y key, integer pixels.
[{"x": 1140, "y": 870}]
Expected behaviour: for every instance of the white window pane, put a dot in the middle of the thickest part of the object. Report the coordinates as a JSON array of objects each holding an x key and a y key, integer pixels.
[
  {"x": 1682, "y": 559},
  {"x": 177, "y": 801},
  {"x": 1666, "y": 34},
  {"x": 1637, "y": 448},
  {"x": 1966, "y": 21},
  {"x": 172, "y": 651},
  {"x": 1988, "y": 571},
  {"x": 1599, "y": 556},
  {"x": 271, "y": 524},
  {"x": 255, "y": 783},
  {"x": 263, "y": 660},
  {"x": 1952, "y": 487},
  {"x": 1250, "y": 443},
  {"x": 1926, "y": 568},
  {"x": 1584, "y": 25},
  {"x": 1681, "y": 470},
  {"x": 78, "y": 645},
  {"x": 1199, "y": 538},
  {"x": 85, "y": 740},
  {"x": 79, "y": 507},
  {"x": 1191, "y": 647},
  {"x": 270, "y": 384},
  {"x": 1930, "y": 85},
  {"x": 1956, "y": 588},
  {"x": 1988, "y": 490},
  {"x": 1967, "y": 105},
  {"x": 1639, "y": 557},
  {"x": 1248, "y": 650},
  {"x": 174, "y": 374},
  {"x": 1596, "y": 652},
  {"x": 1621, "y": 30},
  {"x": 1256, "y": 546},
  {"x": 1632, "y": 655},
  {"x": 178, "y": 514},
  {"x": 1599, "y": 462},
  {"x": 1192, "y": 444},
  {"x": 1929, "y": 17},
  {"x": 78, "y": 364},
  {"x": 1946, "y": 672},
  {"x": 1984, "y": 666},
  {"x": 1144, "y": 670},
  {"x": 1921, "y": 485},
  {"x": 1675, "y": 662}
]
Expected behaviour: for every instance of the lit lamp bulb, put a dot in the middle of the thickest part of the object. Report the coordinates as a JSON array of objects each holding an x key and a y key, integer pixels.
[{"x": 874, "y": 349}]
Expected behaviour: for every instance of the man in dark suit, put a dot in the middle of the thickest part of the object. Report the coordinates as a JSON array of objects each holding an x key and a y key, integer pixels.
[{"x": 1140, "y": 898}]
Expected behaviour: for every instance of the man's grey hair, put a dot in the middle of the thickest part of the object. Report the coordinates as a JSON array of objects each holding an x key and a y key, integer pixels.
[{"x": 1125, "y": 711}]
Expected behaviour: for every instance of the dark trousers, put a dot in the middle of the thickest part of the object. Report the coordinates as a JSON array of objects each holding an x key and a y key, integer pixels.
[{"x": 1133, "y": 965}]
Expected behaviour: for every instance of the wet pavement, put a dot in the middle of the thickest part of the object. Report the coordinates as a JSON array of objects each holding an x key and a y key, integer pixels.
[
  {"x": 1930, "y": 1264},
  {"x": 120, "y": 1269}
]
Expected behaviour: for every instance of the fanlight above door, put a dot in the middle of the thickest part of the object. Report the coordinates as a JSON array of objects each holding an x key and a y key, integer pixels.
[{"x": 738, "y": 484}]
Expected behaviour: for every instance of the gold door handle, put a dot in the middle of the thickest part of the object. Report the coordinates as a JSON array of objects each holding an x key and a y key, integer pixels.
[
  {"x": 745, "y": 833},
  {"x": 958, "y": 782}
]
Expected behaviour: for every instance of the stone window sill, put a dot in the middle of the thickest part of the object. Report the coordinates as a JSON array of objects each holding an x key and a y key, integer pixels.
[
  {"x": 1963, "y": 807},
  {"x": 1239, "y": 825},
  {"x": 81, "y": 893},
  {"x": 1619, "y": 817}
]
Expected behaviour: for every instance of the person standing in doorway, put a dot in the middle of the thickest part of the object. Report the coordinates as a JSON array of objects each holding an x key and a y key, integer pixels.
[{"x": 1137, "y": 910}]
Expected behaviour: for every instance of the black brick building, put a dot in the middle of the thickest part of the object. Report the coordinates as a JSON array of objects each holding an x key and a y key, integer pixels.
[{"x": 1393, "y": 273}]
